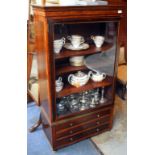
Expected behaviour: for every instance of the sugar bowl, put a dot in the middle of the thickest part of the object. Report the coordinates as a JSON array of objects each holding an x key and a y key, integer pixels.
[
  {"x": 59, "y": 84},
  {"x": 97, "y": 77}
]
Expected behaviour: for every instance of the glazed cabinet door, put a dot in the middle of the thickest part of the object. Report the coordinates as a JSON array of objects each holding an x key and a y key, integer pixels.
[{"x": 84, "y": 62}]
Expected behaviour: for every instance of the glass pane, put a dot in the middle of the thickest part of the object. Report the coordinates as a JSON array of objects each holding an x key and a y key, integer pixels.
[{"x": 84, "y": 64}]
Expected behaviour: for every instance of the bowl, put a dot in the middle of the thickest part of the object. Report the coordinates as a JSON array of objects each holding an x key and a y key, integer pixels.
[{"x": 76, "y": 61}]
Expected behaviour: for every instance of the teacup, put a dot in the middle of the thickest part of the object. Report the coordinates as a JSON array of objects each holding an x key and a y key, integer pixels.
[
  {"x": 98, "y": 40},
  {"x": 58, "y": 44},
  {"x": 76, "y": 40}
]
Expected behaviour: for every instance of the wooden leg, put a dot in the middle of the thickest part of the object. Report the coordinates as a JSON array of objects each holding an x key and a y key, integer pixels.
[
  {"x": 35, "y": 126},
  {"x": 124, "y": 92}
]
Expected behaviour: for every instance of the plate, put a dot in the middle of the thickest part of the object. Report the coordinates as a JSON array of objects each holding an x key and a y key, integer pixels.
[{"x": 69, "y": 46}]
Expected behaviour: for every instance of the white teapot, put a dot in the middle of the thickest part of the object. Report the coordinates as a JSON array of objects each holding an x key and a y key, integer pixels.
[
  {"x": 97, "y": 77},
  {"x": 78, "y": 79}
]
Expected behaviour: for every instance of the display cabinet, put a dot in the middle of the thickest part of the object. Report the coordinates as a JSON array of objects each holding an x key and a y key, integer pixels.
[{"x": 77, "y": 65}]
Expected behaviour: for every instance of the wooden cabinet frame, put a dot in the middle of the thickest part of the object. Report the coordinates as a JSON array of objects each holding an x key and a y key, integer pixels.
[{"x": 45, "y": 17}]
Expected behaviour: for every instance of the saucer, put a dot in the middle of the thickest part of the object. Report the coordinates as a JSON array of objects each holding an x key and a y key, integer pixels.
[{"x": 81, "y": 47}]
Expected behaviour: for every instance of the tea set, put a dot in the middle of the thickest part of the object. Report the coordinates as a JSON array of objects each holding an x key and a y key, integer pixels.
[
  {"x": 97, "y": 77},
  {"x": 81, "y": 101},
  {"x": 77, "y": 42},
  {"x": 80, "y": 79}
]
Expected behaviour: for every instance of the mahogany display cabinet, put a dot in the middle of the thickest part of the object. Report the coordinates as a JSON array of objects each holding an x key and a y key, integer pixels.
[{"x": 54, "y": 22}]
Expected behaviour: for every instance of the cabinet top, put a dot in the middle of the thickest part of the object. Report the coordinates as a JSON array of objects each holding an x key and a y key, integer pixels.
[
  {"x": 47, "y": 6},
  {"x": 57, "y": 11}
]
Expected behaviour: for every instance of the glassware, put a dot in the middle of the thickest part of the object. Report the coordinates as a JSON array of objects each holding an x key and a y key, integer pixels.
[
  {"x": 84, "y": 101},
  {"x": 93, "y": 104},
  {"x": 61, "y": 107},
  {"x": 73, "y": 102},
  {"x": 103, "y": 99},
  {"x": 96, "y": 96}
]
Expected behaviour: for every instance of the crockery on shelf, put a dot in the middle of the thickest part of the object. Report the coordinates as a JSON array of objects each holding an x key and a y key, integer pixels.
[
  {"x": 98, "y": 40},
  {"x": 76, "y": 40},
  {"x": 59, "y": 81},
  {"x": 58, "y": 44},
  {"x": 83, "y": 46},
  {"x": 97, "y": 77},
  {"x": 59, "y": 84},
  {"x": 78, "y": 79},
  {"x": 76, "y": 61}
]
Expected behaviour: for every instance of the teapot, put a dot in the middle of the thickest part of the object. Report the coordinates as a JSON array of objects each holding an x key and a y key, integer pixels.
[
  {"x": 97, "y": 77},
  {"x": 78, "y": 79}
]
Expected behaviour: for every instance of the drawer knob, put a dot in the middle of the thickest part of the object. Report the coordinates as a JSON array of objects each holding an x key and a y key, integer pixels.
[
  {"x": 71, "y": 132},
  {"x": 97, "y": 130},
  {"x": 97, "y": 123},
  {"x": 120, "y": 11},
  {"x": 71, "y": 124},
  {"x": 71, "y": 139},
  {"x": 98, "y": 115}
]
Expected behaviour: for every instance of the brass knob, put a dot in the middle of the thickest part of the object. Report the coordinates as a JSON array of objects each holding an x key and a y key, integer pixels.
[
  {"x": 71, "y": 132},
  {"x": 97, "y": 130},
  {"x": 97, "y": 123},
  {"x": 71, "y": 139},
  {"x": 98, "y": 115},
  {"x": 71, "y": 124},
  {"x": 120, "y": 11}
]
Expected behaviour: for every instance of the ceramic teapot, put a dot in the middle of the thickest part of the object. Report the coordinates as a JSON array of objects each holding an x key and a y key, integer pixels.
[
  {"x": 97, "y": 77},
  {"x": 78, "y": 79}
]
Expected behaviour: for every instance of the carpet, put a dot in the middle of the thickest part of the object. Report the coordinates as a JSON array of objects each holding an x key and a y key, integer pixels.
[{"x": 37, "y": 143}]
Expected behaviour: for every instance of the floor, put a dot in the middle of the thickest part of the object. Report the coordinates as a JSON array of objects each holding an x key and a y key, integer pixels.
[
  {"x": 39, "y": 145},
  {"x": 109, "y": 143},
  {"x": 114, "y": 142}
]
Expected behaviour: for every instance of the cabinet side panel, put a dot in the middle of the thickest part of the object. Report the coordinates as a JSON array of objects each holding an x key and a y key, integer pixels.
[{"x": 42, "y": 68}]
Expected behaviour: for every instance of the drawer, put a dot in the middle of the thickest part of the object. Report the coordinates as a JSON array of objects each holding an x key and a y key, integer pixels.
[
  {"x": 82, "y": 119},
  {"x": 81, "y": 136},
  {"x": 84, "y": 126}
]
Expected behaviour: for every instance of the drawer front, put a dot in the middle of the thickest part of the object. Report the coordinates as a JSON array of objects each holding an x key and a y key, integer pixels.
[
  {"x": 78, "y": 121},
  {"x": 84, "y": 126},
  {"x": 81, "y": 136}
]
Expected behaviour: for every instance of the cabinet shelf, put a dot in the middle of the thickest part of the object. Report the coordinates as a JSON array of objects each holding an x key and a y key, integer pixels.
[
  {"x": 78, "y": 113},
  {"x": 67, "y": 68},
  {"x": 68, "y": 89},
  {"x": 92, "y": 50}
]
